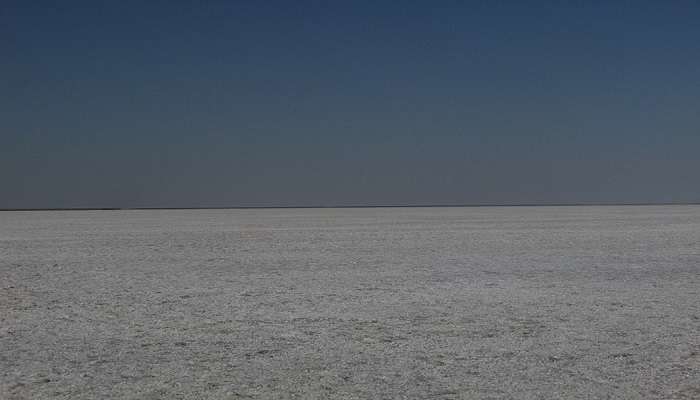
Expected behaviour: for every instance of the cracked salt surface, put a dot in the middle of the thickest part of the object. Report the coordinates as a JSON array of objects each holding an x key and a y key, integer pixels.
[{"x": 443, "y": 303}]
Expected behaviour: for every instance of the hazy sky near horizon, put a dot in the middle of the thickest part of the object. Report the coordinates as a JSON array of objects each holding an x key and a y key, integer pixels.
[{"x": 226, "y": 103}]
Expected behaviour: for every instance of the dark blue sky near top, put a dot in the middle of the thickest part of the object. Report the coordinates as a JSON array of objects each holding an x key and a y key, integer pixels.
[{"x": 228, "y": 103}]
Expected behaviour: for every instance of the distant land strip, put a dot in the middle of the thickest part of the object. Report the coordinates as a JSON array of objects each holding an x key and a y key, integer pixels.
[{"x": 350, "y": 206}]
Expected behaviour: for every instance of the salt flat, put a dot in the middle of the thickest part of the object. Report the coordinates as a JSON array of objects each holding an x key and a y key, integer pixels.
[{"x": 415, "y": 303}]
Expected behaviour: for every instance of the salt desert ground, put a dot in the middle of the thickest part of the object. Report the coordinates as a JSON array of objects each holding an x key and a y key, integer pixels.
[{"x": 368, "y": 303}]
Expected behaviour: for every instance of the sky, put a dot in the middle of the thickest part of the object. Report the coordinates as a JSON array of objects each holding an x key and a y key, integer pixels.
[{"x": 299, "y": 103}]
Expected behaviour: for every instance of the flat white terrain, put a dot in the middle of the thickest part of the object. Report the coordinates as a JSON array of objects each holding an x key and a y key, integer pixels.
[{"x": 415, "y": 303}]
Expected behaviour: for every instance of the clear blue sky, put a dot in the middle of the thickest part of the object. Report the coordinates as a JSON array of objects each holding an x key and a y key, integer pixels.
[{"x": 232, "y": 103}]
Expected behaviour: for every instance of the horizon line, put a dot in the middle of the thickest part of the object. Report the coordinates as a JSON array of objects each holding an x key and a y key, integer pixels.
[{"x": 354, "y": 206}]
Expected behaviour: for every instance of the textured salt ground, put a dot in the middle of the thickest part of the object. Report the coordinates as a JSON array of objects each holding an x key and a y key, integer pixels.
[{"x": 425, "y": 303}]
